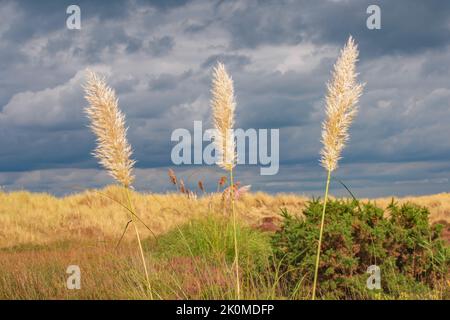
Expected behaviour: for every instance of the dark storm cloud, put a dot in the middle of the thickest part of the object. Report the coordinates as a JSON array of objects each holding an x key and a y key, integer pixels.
[
  {"x": 408, "y": 26},
  {"x": 158, "y": 55},
  {"x": 41, "y": 17},
  {"x": 44, "y": 16}
]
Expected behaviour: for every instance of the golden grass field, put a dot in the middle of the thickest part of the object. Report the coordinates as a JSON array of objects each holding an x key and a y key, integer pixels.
[
  {"x": 38, "y": 218},
  {"x": 40, "y": 235}
]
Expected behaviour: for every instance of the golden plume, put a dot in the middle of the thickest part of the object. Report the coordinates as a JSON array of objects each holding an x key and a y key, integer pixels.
[
  {"x": 341, "y": 105},
  {"x": 223, "y": 106},
  {"x": 108, "y": 123}
]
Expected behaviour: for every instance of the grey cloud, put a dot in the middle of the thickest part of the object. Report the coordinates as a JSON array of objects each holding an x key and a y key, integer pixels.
[
  {"x": 168, "y": 81},
  {"x": 235, "y": 61},
  {"x": 407, "y": 26},
  {"x": 160, "y": 46},
  {"x": 44, "y": 16}
]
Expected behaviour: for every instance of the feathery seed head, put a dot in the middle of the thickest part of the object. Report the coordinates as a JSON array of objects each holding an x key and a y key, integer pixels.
[
  {"x": 223, "y": 106},
  {"x": 341, "y": 105},
  {"x": 108, "y": 124}
]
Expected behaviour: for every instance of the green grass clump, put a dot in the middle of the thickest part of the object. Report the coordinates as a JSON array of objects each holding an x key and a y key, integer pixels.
[
  {"x": 410, "y": 253},
  {"x": 199, "y": 261},
  {"x": 212, "y": 238}
]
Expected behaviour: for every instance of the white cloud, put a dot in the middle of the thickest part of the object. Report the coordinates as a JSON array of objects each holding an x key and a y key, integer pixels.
[{"x": 48, "y": 108}]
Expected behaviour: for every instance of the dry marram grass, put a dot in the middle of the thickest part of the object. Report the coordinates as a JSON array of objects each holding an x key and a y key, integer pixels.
[{"x": 39, "y": 218}]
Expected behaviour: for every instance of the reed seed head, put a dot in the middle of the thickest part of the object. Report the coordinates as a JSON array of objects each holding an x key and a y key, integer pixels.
[
  {"x": 222, "y": 180},
  {"x": 108, "y": 123},
  {"x": 172, "y": 177},
  {"x": 201, "y": 186},
  {"x": 182, "y": 187},
  {"x": 223, "y": 106},
  {"x": 343, "y": 94}
]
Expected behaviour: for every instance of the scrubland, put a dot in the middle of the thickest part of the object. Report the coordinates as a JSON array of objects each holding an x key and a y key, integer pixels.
[{"x": 189, "y": 248}]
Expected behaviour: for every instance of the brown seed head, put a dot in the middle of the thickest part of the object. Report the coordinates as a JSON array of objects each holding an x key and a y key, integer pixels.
[{"x": 172, "y": 177}]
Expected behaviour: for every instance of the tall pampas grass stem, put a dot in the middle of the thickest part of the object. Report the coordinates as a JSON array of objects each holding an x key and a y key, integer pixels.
[
  {"x": 113, "y": 150},
  {"x": 223, "y": 107},
  {"x": 341, "y": 108}
]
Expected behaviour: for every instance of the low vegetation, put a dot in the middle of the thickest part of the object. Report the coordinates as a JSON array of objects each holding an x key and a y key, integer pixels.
[
  {"x": 191, "y": 250},
  {"x": 412, "y": 257}
]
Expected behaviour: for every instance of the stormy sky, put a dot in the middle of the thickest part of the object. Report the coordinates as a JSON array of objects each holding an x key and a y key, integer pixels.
[{"x": 158, "y": 55}]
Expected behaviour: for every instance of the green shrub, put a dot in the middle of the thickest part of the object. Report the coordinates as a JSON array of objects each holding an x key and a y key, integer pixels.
[{"x": 407, "y": 249}]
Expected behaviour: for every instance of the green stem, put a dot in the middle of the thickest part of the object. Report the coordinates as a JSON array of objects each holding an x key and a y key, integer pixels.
[
  {"x": 320, "y": 236},
  {"x": 236, "y": 252},
  {"x": 131, "y": 207}
]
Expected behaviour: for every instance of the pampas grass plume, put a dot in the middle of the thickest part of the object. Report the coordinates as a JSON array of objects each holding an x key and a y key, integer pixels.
[
  {"x": 108, "y": 123},
  {"x": 223, "y": 107},
  {"x": 341, "y": 106}
]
